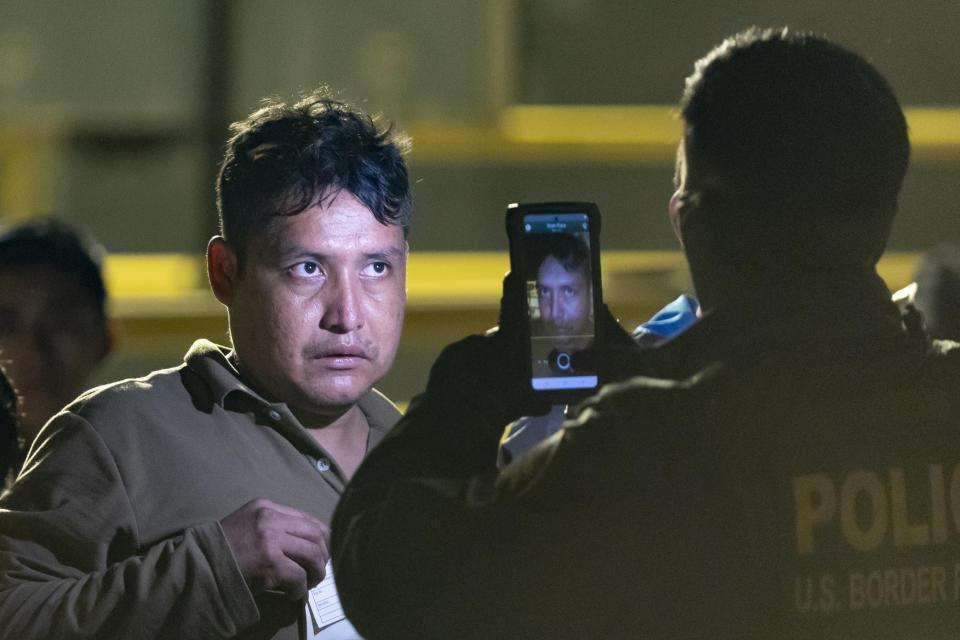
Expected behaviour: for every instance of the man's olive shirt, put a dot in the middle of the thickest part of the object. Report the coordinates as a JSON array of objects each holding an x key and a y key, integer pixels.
[{"x": 111, "y": 530}]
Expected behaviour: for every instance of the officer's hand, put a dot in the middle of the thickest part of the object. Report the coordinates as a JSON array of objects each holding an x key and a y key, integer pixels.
[
  {"x": 277, "y": 548},
  {"x": 481, "y": 375},
  {"x": 485, "y": 374},
  {"x": 616, "y": 355}
]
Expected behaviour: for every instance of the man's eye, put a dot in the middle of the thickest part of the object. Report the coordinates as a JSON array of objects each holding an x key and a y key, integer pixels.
[
  {"x": 305, "y": 269},
  {"x": 569, "y": 292},
  {"x": 376, "y": 269}
]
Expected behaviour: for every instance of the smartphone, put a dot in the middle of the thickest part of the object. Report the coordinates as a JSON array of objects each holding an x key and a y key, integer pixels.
[{"x": 555, "y": 249}]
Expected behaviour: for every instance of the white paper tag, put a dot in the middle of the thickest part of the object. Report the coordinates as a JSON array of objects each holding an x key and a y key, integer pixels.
[{"x": 323, "y": 610}]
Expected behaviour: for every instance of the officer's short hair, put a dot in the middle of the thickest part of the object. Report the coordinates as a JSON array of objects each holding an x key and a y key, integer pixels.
[{"x": 797, "y": 125}]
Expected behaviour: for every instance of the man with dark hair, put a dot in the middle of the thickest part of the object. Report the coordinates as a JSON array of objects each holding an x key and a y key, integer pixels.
[
  {"x": 54, "y": 331},
  {"x": 194, "y": 502},
  {"x": 792, "y": 472}
]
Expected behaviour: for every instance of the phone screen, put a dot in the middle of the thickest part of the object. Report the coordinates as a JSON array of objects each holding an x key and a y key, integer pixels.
[{"x": 560, "y": 300}]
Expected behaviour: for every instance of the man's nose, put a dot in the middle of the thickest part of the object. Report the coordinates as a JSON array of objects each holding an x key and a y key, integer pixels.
[
  {"x": 556, "y": 310},
  {"x": 341, "y": 305}
]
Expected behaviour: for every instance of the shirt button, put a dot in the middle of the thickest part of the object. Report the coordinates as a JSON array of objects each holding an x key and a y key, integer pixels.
[
  {"x": 274, "y": 415},
  {"x": 323, "y": 464}
]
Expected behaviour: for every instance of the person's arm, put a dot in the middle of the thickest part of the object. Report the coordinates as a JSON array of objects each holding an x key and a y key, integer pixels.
[
  {"x": 412, "y": 493},
  {"x": 581, "y": 538},
  {"x": 72, "y": 564},
  {"x": 427, "y": 539},
  {"x": 428, "y": 542}
]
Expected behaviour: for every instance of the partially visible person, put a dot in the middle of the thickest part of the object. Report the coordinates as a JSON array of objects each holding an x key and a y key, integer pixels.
[
  {"x": 793, "y": 470},
  {"x": 937, "y": 295},
  {"x": 194, "y": 502},
  {"x": 54, "y": 330},
  {"x": 11, "y": 452}
]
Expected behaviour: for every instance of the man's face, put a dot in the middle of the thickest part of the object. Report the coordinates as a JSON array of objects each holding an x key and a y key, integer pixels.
[
  {"x": 565, "y": 298},
  {"x": 51, "y": 338},
  {"x": 697, "y": 214},
  {"x": 693, "y": 177},
  {"x": 317, "y": 311}
]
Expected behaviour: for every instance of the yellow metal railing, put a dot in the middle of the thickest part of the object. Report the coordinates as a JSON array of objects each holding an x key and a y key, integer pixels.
[
  {"x": 522, "y": 134},
  {"x": 146, "y": 284},
  {"x": 161, "y": 303},
  {"x": 646, "y": 134}
]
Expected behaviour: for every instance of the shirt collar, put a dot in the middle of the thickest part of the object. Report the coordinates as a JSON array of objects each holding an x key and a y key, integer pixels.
[
  {"x": 214, "y": 364},
  {"x": 381, "y": 414}
]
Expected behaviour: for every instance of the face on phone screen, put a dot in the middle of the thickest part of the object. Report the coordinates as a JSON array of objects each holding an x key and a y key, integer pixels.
[{"x": 559, "y": 299}]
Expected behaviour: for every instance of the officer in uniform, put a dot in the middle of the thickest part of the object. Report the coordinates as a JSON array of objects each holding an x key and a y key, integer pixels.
[{"x": 788, "y": 467}]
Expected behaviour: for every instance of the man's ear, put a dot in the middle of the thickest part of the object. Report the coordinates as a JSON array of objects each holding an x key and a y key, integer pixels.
[
  {"x": 222, "y": 269},
  {"x": 109, "y": 338}
]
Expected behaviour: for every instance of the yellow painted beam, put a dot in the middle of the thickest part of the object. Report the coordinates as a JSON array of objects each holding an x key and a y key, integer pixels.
[
  {"x": 153, "y": 274},
  {"x": 172, "y": 285},
  {"x": 933, "y": 127},
  {"x": 593, "y": 124},
  {"x": 535, "y": 135},
  {"x": 644, "y": 134}
]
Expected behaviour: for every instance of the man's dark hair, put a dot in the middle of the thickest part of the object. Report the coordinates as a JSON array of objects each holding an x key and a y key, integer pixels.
[
  {"x": 568, "y": 249},
  {"x": 52, "y": 244},
  {"x": 804, "y": 129},
  {"x": 283, "y": 159},
  {"x": 11, "y": 453}
]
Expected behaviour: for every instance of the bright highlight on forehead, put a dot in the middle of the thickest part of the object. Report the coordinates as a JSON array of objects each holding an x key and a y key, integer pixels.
[
  {"x": 342, "y": 223},
  {"x": 551, "y": 268}
]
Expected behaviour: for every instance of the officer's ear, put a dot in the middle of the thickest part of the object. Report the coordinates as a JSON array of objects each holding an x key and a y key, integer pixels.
[
  {"x": 222, "y": 269},
  {"x": 679, "y": 180},
  {"x": 674, "y": 211}
]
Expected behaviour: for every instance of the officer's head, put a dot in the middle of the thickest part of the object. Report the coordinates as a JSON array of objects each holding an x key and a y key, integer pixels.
[{"x": 793, "y": 154}]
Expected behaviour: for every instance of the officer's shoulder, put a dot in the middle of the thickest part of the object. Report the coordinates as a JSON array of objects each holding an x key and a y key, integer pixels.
[{"x": 641, "y": 395}]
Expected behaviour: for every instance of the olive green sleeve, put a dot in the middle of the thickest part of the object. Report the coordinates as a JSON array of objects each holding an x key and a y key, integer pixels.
[{"x": 72, "y": 564}]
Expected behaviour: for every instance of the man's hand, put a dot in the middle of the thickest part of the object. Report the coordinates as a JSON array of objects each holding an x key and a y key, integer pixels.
[
  {"x": 277, "y": 548},
  {"x": 491, "y": 367}
]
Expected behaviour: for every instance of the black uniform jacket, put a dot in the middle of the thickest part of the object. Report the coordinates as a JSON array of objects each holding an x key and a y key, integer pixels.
[{"x": 794, "y": 473}]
